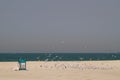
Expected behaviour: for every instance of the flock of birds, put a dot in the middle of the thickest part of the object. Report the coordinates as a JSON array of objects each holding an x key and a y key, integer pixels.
[{"x": 75, "y": 65}]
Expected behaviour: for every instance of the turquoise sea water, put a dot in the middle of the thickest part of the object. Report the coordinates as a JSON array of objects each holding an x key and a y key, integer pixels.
[{"x": 59, "y": 56}]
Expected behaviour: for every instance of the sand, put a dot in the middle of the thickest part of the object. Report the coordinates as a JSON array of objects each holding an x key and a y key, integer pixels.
[{"x": 62, "y": 70}]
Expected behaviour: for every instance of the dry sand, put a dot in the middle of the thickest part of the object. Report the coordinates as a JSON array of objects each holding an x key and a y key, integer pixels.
[{"x": 71, "y": 70}]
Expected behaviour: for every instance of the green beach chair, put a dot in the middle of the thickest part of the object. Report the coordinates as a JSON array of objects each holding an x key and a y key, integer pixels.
[{"x": 22, "y": 64}]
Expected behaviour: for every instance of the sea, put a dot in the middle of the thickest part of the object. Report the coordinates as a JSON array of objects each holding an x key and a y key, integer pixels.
[{"x": 59, "y": 56}]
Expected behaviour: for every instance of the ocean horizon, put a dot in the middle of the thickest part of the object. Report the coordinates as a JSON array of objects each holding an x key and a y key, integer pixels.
[{"x": 59, "y": 56}]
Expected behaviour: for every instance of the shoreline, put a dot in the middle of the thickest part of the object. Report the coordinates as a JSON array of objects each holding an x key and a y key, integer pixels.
[{"x": 61, "y": 60}]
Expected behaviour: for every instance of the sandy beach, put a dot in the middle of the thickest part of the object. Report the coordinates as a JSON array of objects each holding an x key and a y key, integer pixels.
[{"x": 62, "y": 70}]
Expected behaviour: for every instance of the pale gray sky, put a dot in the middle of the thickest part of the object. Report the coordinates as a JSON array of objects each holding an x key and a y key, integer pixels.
[{"x": 59, "y": 25}]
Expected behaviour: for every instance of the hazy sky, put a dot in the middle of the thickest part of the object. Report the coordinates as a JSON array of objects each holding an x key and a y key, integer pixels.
[{"x": 59, "y": 25}]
